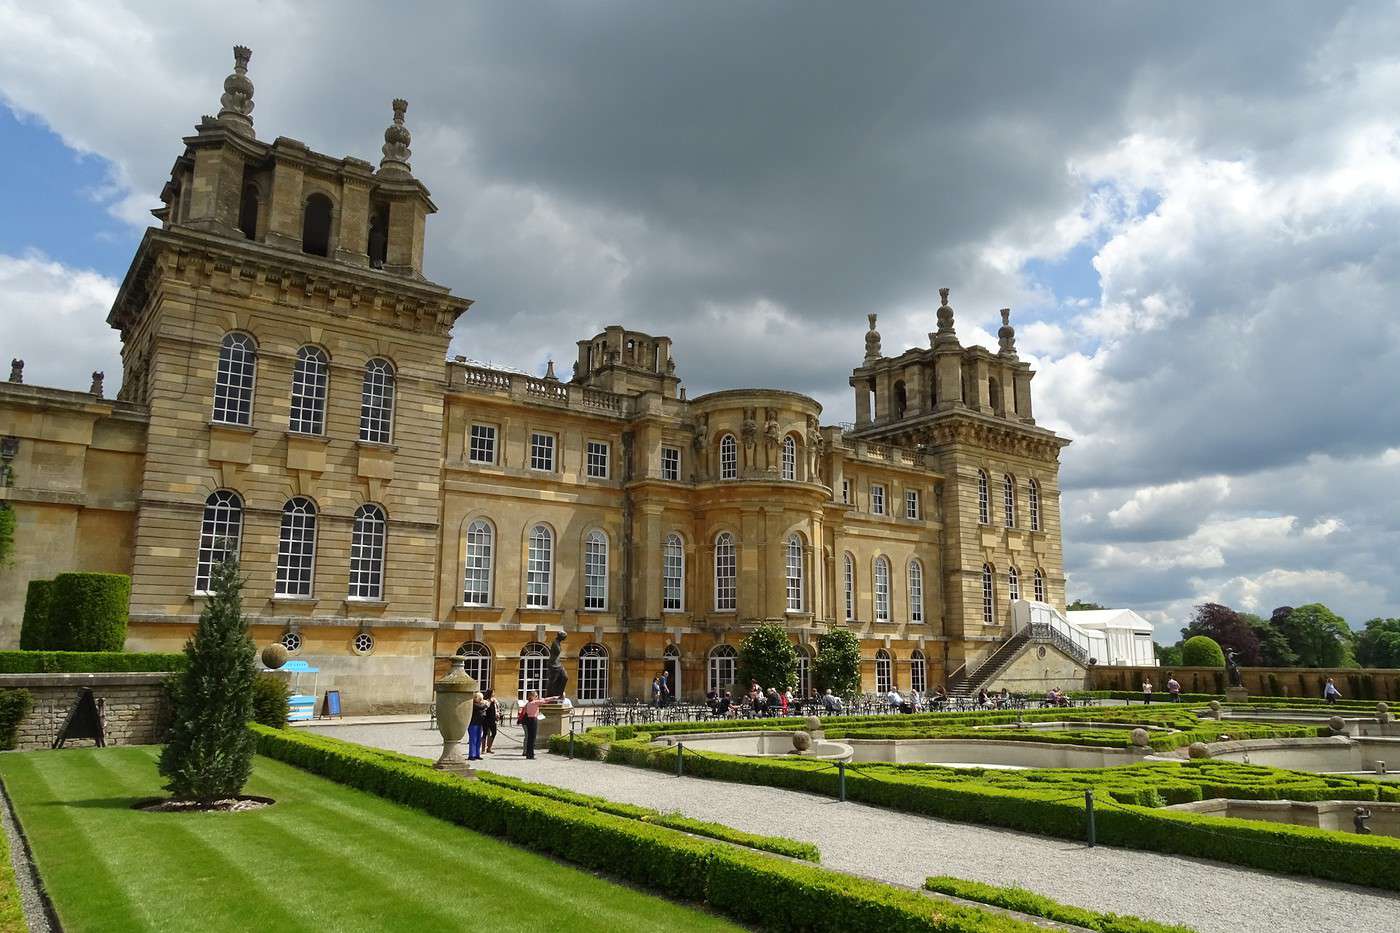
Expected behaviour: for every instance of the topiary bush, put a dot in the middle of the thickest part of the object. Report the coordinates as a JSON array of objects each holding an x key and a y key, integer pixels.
[
  {"x": 838, "y": 662},
  {"x": 88, "y": 611},
  {"x": 14, "y": 706},
  {"x": 34, "y": 634},
  {"x": 767, "y": 656},
  {"x": 271, "y": 705},
  {"x": 1202, "y": 651}
]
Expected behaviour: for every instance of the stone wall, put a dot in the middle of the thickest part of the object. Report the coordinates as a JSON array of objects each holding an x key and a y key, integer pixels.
[
  {"x": 1355, "y": 683},
  {"x": 137, "y": 709},
  {"x": 1038, "y": 668}
]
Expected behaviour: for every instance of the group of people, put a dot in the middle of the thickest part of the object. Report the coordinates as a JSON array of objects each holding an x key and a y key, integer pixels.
[
  {"x": 481, "y": 731},
  {"x": 1173, "y": 689},
  {"x": 662, "y": 692},
  {"x": 771, "y": 702}
]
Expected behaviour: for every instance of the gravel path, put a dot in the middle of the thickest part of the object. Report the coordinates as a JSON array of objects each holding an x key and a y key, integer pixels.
[{"x": 1208, "y": 896}]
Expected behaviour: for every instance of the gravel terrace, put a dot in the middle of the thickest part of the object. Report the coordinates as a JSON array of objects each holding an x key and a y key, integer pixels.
[{"x": 1208, "y": 896}]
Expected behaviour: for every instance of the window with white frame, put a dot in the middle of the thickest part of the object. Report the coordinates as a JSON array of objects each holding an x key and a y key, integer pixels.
[
  {"x": 534, "y": 661},
  {"x": 233, "y": 383},
  {"x": 918, "y": 671},
  {"x": 476, "y": 577},
  {"x": 877, "y": 499},
  {"x": 984, "y": 501},
  {"x": 1038, "y": 582},
  {"x": 728, "y": 457},
  {"x": 789, "y": 458},
  {"x": 724, "y": 661},
  {"x": 804, "y": 671},
  {"x": 597, "y": 460},
  {"x": 595, "y": 571},
  {"x": 1013, "y": 583},
  {"x": 476, "y": 658},
  {"x": 916, "y": 591},
  {"x": 725, "y": 567},
  {"x": 846, "y": 491},
  {"x": 673, "y": 574},
  {"x": 850, "y": 581},
  {"x": 911, "y": 504},
  {"x": 296, "y": 548},
  {"x": 988, "y": 596},
  {"x": 795, "y": 600},
  {"x": 1008, "y": 500},
  {"x": 542, "y": 451},
  {"x": 367, "y": 539},
  {"x": 219, "y": 534},
  {"x": 309, "y": 392},
  {"x": 884, "y": 671},
  {"x": 592, "y": 673},
  {"x": 482, "y": 446},
  {"x": 882, "y": 589},
  {"x": 1033, "y": 501},
  {"x": 671, "y": 463},
  {"x": 539, "y": 570},
  {"x": 377, "y": 402}
]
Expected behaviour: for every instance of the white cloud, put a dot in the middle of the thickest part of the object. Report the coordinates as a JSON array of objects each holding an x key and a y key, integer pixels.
[{"x": 50, "y": 317}]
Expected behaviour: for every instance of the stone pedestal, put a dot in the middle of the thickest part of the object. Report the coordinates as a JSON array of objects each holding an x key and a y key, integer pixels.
[
  {"x": 1236, "y": 695},
  {"x": 554, "y": 720}
]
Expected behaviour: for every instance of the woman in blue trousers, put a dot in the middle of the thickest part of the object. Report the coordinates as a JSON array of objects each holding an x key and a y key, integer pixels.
[{"x": 475, "y": 727}]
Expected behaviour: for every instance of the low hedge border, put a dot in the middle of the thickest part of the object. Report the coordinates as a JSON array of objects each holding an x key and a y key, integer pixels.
[
  {"x": 1028, "y": 902},
  {"x": 88, "y": 662},
  {"x": 1058, "y": 811},
  {"x": 758, "y": 889}
]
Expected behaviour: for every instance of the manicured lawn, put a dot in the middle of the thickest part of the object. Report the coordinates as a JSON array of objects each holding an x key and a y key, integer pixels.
[{"x": 325, "y": 857}]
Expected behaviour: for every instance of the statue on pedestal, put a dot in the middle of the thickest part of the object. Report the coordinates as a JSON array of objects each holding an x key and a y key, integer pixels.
[
  {"x": 557, "y": 678},
  {"x": 1232, "y": 668}
]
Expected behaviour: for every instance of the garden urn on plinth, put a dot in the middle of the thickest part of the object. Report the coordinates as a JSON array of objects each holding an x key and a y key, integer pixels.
[
  {"x": 453, "y": 694},
  {"x": 1236, "y": 695}
]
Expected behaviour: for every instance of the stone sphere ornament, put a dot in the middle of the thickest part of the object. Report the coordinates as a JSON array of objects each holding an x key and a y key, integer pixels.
[
  {"x": 1337, "y": 724},
  {"x": 275, "y": 655},
  {"x": 1383, "y": 713},
  {"x": 801, "y": 741},
  {"x": 813, "y": 724},
  {"x": 1140, "y": 737},
  {"x": 1198, "y": 750}
]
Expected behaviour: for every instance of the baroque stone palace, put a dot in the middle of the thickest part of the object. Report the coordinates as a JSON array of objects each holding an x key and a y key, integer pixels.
[{"x": 286, "y": 395}]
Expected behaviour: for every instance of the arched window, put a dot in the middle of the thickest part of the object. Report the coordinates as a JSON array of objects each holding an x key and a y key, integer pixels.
[
  {"x": 882, "y": 589},
  {"x": 477, "y": 661},
  {"x": 1039, "y": 584},
  {"x": 916, "y": 591},
  {"x": 309, "y": 392},
  {"x": 1033, "y": 500},
  {"x": 316, "y": 226},
  {"x": 367, "y": 553},
  {"x": 296, "y": 548},
  {"x": 850, "y": 581},
  {"x": 988, "y": 596},
  {"x": 377, "y": 402},
  {"x": 233, "y": 384},
  {"x": 789, "y": 458},
  {"x": 219, "y": 534},
  {"x": 796, "y": 601},
  {"x": 723, "y": 661},
  {"x": 673, "y": 574},
  {"x": 592, "y": 673},
  {"x": 1008, "y": 500},
  {"x": 804, "y": 671},
  {"x": 595, "y": 571},
  {"x": 728, "y": 457},
  {"x": 476, "y": 579},
  {"x": 534, "y": 658},
  {"x": 726, "y": 599},
  {"x": 918, "y": 671},
  {"x": 884, "y": 671},
  {"x": 248, "y": 212},
  {"x": 984, "y": 499},
  {"x": 1013, "y": 583},
  {"x": 539, "y": 570}
]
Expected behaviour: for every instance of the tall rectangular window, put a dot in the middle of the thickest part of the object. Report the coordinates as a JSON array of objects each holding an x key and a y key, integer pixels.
[
  {"x": 725, "y": 567},
  {"x": 882, "y": 590},
  {"x": 671, "y": 463},
  {"x": 850, "y": 588},
  {"x": 367, "y": 553},
  {"x": 597, "y": 460},
  {"x": 542, "y": 452},
  {"x": 673, "y": 574},
  {"x": 846, "y": 491},
  {"x": 482, "y": 448},
  {"x": 911, "y": 504},
  {"x": 877, "y": 499},
  {"x": 595, "y": 571}
]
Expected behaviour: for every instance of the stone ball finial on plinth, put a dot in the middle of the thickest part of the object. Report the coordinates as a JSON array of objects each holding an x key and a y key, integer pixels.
[
  {"x": 1337, "y": 725},
  {"x": 801, "y": 741},
  {"x": 275, "y": 655},
  {"x": 1383, "y": 713},
  {"x": 814, "y": 724},
  {"x": 1140, "y": 737},
  {"x": 1215, "y": 709},
  {"x": 1198, "y": 750}
]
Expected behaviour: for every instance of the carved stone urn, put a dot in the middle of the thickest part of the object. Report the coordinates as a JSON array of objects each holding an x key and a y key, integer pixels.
[{"x": 454, "y": 693}]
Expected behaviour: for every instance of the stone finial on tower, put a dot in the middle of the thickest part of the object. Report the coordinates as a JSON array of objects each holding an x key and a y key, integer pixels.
[
  {"x": 17, "y": 370},
  {"x": 237, "y": 100},
  {"x": 872, "y": 341},
  {"x": 945, "y": 332},
  {"x": 1006, "y": 335},
  {"x": 549, "y": 372},
  {"x": 96, "y": 387},
  {"x": 396, "y": 140}
]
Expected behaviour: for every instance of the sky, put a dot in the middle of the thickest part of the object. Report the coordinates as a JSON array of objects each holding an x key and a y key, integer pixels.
[{"x": 1193, "y": 211}]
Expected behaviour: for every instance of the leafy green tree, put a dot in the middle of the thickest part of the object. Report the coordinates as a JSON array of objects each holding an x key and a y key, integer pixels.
[
  {"x": 767, "y": 656},
  {"x": 1167, "y": 655},
  {"x": 838, "y": 663},
  {"x": 1202, "y": 651},
  {"x": 209, "y": 753},
  {"x": 1379, "y": 644},
  {"x": 1225, "y": 627},
  {"x": 1317, "y": 635},
  {"x": 1080, "y": 605},
  {"x": 1274, "y": 650}
]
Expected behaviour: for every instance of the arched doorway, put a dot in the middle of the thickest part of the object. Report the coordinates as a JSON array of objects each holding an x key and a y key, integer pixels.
[{"x": 671, "y": 664}]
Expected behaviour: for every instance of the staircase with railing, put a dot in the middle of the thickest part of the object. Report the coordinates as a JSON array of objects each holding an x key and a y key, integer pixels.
[{"x": 1062, "y": 636}]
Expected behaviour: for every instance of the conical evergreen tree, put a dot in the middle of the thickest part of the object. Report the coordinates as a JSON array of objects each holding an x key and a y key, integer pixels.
[{"x": 209, "y": 753}]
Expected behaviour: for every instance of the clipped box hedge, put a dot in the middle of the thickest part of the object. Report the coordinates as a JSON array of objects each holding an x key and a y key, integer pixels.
[
  {"x": 88, "y": 611},
  {"x": 88, "y": 662},
  {"x": 1028, "y": 902},
  {"x": 762, "y": 890},
  {"x": 34, "y": 634}
]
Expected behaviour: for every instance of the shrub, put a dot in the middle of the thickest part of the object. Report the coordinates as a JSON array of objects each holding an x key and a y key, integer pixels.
[
  {"x": 87, "y": 662},
  {"x": 7, "y": 532},
  {"x": 838, "y": 662},
  {"x": 209, "y": 754},
  {"x": 14, "y": 706},
  {"x": 34, "y": 634},
  {"x": 1202, "y": 651},
  {"x": 87, "y": 611},
  {"x": 1027, "y": 902},
  {"x": 271, "y": 703},
  {"x": 766, "y": 655}
]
